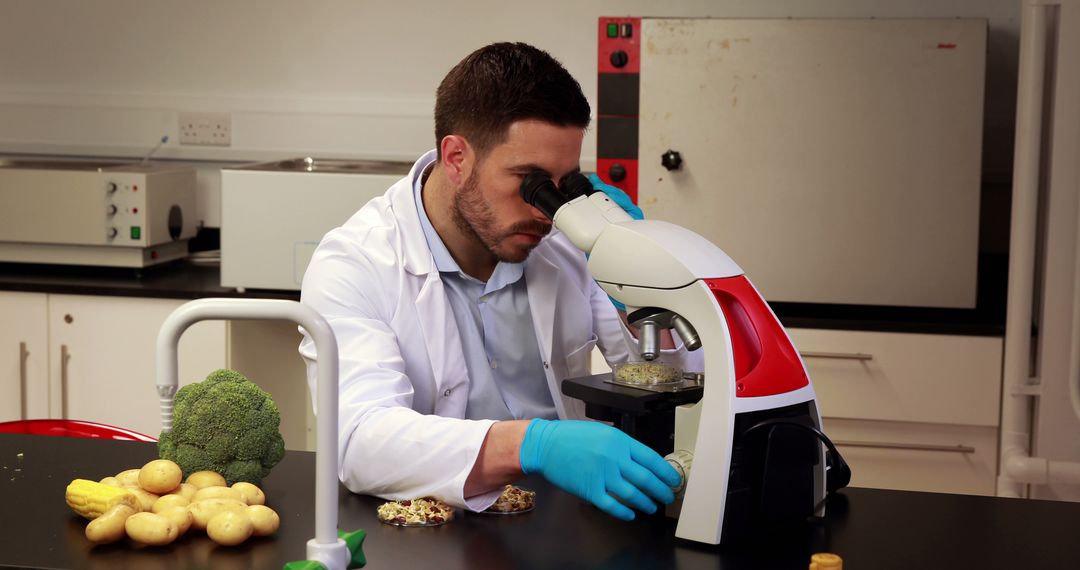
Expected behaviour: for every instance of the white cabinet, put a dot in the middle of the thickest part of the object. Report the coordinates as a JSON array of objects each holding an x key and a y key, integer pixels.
[
  {"x": 909, "y": 411},
  {"x": 917, "y": 456},
  {"x": 93, "y": 357},
  {"x": 266, "y": 352},
  {"x": 903, "y": 376},
  {"x": 102, "y": 358},
  {"x": 24, "y": 385}
]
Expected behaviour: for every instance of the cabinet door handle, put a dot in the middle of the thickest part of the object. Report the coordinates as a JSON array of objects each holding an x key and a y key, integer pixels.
[
  {"x": 837, "y": 355},
  {"x": 23, "y": 355},
  {"x": 65, "y": 356},
  {"x": 906, "y": 446}
]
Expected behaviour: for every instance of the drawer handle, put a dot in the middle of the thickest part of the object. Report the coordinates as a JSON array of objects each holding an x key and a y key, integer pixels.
[
  {"x": 65, "y": 356},
  {"x": 837, "y": 355},
  {"x": 23, "y": 355},
  {"x": 907, "y": 446}
]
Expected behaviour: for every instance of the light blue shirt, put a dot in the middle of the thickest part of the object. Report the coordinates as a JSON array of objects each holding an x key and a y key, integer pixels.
[{"x": 506, "y": 372}]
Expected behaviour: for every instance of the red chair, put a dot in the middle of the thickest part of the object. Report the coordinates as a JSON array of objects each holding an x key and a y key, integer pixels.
[{"x": 72, "y": 428}]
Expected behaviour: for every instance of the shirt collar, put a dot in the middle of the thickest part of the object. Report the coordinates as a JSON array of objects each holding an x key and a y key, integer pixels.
[{"x": 443, "y": 260}]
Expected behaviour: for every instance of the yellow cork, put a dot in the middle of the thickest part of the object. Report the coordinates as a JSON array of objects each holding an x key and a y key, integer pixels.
[{"x": 826, "y": 561}]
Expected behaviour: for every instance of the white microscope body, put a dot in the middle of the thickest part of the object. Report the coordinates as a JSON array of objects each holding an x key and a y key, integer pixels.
[{"x": 680, "y": 280}]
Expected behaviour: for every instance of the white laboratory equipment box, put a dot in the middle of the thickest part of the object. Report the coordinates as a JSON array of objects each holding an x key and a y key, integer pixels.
[
  {"x": 109, "y": 214},
  {"x": 274, "y": 214}
]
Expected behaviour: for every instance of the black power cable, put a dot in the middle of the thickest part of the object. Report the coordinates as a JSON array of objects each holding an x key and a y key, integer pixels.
[{"x": 838, "y": 473}]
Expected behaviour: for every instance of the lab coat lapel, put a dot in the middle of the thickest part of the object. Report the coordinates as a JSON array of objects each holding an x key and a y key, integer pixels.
[
  {"x": 441, "y": 337},
  {"x": 436, "y": 318},
  {"x": 542, "y": 279},
  {"x": 415, "y": 254}
]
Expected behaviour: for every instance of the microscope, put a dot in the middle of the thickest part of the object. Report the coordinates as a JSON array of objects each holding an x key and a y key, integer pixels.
[{"x": 747, "y": 433}]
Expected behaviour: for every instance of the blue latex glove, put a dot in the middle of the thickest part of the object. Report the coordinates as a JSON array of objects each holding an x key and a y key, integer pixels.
[
  {"x": 617, "y": 196},
  {"x": 624, "y": 202},
  {"x": 591, "y": 459}
]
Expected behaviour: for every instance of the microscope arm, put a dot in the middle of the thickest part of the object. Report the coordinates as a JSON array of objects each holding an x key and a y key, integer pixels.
[{"x": 624, "y": 252}]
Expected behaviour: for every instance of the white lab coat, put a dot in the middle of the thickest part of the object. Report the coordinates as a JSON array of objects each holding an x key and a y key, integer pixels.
[{"x": 403, "y": 380}]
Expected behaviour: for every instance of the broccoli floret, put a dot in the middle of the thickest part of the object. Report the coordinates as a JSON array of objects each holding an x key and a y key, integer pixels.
[{"x": 225, "y": 424}]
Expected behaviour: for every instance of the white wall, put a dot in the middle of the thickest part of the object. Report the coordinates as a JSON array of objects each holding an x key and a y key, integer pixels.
[{"x": 336, "y": 78}]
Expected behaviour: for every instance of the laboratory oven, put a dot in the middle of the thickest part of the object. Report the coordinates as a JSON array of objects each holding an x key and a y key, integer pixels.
[{"x": 838, "y": 160}]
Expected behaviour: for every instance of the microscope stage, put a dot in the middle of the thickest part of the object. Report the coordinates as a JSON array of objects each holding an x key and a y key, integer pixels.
[{"x": 600, "y": 390}]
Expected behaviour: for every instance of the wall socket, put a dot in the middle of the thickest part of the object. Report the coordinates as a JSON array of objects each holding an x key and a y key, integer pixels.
[{"x": 205, "y": 129}]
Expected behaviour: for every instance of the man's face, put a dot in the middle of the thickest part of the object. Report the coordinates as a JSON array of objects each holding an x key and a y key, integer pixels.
[{"x": 488, "y": 205}]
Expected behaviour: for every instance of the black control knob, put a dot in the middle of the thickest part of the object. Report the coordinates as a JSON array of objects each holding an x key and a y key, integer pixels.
[
  {"x": 619, "y": 58},
  {"x": 671, "y": 160},
  {"x": 617, "y": 173},
  {"x": 110, "y": 187}
]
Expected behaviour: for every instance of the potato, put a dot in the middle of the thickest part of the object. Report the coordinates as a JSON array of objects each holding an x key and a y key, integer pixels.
[
  {"x": 160, "y": 476},
  {"x": 168, "y": 502},
  {"x": 151, "y": 529},
  {"x": 109, "y": 527},
  {"x": 251, "y": 494},
  {"x": 180, "y": 516},
  {"x": 128, "y": 478},
  {"x": 264, "y": 521},
  {"x": 218, "y": 493},
  {"x": 185, "y": 490},
  {"x": 110, "y": 481},
  {"x": 229, "y": 528},
  {"x": 204, "y": 510},
  {"x": 146, "y": 498},
  {"x": 203, "y": 479}
]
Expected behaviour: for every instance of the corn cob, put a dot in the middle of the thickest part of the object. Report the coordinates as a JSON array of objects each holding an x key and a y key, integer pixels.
[{"x": 91, "y": 499}]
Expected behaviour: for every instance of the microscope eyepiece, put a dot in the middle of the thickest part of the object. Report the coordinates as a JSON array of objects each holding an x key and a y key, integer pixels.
[
  {"x": 539, "y": 191},
  {"x": 576, "y": 184}
]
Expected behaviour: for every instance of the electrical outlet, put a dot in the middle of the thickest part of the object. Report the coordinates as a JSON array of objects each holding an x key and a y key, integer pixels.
[{"x": 206, "y": 129}]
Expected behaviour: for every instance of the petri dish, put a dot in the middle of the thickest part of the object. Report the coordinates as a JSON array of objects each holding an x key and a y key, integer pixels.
[
  {"x": 424, "y": 512},
  {"x": 646, "y": 374},
  {"x": 511, "y": 501}
]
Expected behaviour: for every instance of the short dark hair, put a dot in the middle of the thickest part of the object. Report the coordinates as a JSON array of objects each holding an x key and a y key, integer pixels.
[{"x": 499, "y": 84}]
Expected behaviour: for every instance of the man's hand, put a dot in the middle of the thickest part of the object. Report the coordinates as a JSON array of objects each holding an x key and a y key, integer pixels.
[
  {"x": 591, "y": 460},
  {"x": 497, "y": 462}
]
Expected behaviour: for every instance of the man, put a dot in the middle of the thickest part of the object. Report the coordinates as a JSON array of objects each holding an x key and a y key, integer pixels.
[{"x": 458, "y": 311}]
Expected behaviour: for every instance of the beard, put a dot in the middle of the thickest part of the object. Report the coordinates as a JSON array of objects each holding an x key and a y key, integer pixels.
[{"x": 472, "y": 214}]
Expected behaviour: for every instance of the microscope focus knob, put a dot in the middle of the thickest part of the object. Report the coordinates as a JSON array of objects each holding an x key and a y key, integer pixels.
[
  {"x": 682, "y": 460},
  {"x": 671, "y": 160}
]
